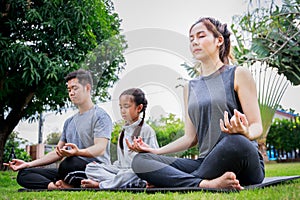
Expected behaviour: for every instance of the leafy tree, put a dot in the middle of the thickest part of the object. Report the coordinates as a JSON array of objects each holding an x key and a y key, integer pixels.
[
  {"x": 274, "y": 35},
  {"x": 192, "y": 71},
  {"x": 268, "y": 42},
  {"x": 43, "y": 40},
  {"x": 13, "y": 148},
  {"x": 53, "y": 138},
  {"x": 167, "y": 130}
]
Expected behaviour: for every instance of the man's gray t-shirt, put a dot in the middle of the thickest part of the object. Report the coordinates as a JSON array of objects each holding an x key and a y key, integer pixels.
[{"x": 81, "y": 129}]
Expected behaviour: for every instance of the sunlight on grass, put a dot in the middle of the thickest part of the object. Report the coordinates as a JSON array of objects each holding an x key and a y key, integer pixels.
[{"x": 282, "y": 169}]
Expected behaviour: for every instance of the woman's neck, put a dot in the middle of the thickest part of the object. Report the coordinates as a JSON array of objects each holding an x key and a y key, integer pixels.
[{"x": 208, "y": 68}]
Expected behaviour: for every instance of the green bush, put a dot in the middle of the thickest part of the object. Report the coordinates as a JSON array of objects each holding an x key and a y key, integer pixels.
[
  {"x": 167, "y": 130},
  {"x": 53, "y": 138},
  {"x": 284, "y": 136},
  {"x": 12, "y": 148}
]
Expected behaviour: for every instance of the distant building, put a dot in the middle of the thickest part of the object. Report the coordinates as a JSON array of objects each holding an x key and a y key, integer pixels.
[{"x": 283, "y": 114}]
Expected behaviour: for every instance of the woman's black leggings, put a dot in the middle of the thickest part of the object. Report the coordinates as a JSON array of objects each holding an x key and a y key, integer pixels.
[
  {"x": 39, "y": 178},
  {"x": 234, "y": 153}
]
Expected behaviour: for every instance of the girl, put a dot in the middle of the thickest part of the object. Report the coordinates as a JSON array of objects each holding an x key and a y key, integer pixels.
[
  {"x": 222, "y": 117},
  {"x": 120, "y": 174}
]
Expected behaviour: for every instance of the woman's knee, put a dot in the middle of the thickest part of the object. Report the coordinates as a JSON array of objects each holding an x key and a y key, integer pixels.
[
  {"x": 237, "y": 139},
  {"x": 138, "y": 162},
  {"x": 137, "y": 159},
  {"x": 236, "y": 143}
]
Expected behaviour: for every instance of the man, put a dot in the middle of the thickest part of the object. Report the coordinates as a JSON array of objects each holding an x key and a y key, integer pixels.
[{"x": 85, "y": 138}]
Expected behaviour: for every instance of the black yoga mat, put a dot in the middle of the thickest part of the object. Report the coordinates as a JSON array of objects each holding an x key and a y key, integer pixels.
[{"x": 268, "y": 181}]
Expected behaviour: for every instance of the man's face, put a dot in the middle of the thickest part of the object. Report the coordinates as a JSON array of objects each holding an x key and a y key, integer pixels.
[{"x": 77, "y": 92}]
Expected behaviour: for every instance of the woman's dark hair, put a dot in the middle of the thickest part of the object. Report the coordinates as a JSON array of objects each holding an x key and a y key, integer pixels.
[
  {"x": 138, "y": 98},
  {"x": 84, "y": 77},
  {"x": 218, "y": 29}
]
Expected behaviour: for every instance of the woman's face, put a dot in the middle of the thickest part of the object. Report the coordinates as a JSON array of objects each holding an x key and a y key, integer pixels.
[{"x": 203, "y": 44}]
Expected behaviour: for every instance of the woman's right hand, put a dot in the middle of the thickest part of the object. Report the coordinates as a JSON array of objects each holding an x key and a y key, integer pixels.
[
  {"x": 139, "y": 145},
  {"x": 17, "y": 164}
]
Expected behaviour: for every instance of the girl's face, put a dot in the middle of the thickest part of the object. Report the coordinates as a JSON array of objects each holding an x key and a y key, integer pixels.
[
  {"x": 129, "y": 110},
  {"x": 203, "y": 44}
]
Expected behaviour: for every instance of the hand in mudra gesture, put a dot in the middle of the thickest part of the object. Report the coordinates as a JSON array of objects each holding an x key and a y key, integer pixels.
[
  {"x": 138, "y": 145},
  {"x": 237, "y": 124},
  {"x": 69, "y": 149}
]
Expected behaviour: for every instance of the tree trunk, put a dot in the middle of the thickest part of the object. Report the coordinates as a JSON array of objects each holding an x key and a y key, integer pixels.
[
  {"x": 3, "y": 137},
  {"x": 8, "y": 124},
  {"x": 262, "y": 147},
  {"x": 267, "y": 114},
  {"x": 281, "y": 153}
]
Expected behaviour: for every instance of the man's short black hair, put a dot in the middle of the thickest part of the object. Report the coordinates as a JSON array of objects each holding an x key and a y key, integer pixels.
[{"x": 84, "y": 77}]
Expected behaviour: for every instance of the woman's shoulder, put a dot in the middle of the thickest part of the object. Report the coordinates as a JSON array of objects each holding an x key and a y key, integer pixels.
[
  {"x": 243, "y": 76},
  {"x": 242, "y": 73},
  {"x": 241, "y": 70}
]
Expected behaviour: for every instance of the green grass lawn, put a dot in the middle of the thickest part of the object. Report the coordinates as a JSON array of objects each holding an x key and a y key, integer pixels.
[{"x": 291, "y": 190}]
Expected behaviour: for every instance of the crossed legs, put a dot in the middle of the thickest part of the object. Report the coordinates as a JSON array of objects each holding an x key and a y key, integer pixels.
[{"x": 233, "y": 162}]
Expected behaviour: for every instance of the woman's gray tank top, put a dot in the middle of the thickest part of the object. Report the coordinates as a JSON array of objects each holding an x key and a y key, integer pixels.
[{"x": 209, "y": 96}]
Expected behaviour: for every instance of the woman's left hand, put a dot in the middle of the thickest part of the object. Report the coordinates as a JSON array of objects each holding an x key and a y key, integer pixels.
[{"x": 237, "y": 124}]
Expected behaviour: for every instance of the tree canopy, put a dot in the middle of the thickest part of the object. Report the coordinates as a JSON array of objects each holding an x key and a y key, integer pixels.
[
  {"x": 43, "y": 40},
  {"x": 271, "y": 36}
]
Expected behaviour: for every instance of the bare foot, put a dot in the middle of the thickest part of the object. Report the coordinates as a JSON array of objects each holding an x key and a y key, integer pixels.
[
  {"x": 52, "y": 186},
  {"x": 88, "y": 183},
  {"x": 62, "y": 185},
  {"x": 149, "y": 185},
  {"x": 226, "y": 181}
]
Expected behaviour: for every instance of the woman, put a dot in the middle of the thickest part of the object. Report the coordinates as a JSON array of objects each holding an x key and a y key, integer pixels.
[{"x": 222, "y": 117}]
